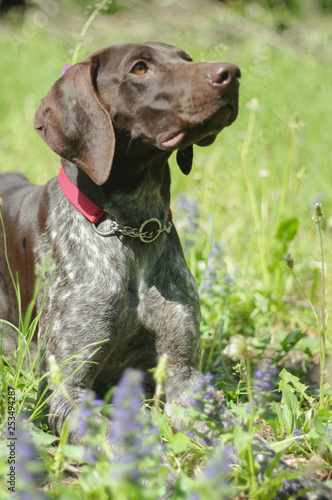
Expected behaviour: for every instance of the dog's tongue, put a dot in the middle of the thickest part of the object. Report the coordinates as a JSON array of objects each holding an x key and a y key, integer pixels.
[{"x": 174, "y": 141}]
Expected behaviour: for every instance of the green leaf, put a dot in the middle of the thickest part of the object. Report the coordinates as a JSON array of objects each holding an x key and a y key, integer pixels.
[
  {"x": 40, "y": 437},
  {"x": 64, "y": 433},
  {"x": 240, "y": 438},
  {"x": 291, "y": 401},
  {"x": 163, "y": 426},
  {"x": 274, "y": 426},
  {"x": 287, "y": 229},
  {"x": 313, "y": 434},
  {"x": 185, "y": 413},
  {"x": 287, "y": 378},
  {"x": 292, "y": 339},
  {"x": 288, "y": 420},
  {"x": 276, "y": 409},
  {"x": 73, "y": 452},
  {"x": 308, "y": 351},
  {"x": 179, "y": 442},
  {"x": 281, "y": 446},
  {"x": 301, "y": 420},
  {"x": 58, "y": 460},
  {"x": 319, "y": 426}
]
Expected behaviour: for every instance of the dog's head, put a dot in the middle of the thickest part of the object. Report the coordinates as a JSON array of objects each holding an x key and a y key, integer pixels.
[{"x": 152, "y": 93}]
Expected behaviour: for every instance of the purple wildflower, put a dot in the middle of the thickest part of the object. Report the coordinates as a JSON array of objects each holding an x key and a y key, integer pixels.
[
  {"x": 288, "y": 489},
  {"x": 134, "y": 437},
  {"x": 219, "y": 466},
  {"x": 90, "y": 455},
  {"x": 215, "y": 476},
  {"x": 298, "y": 433},
  {"x": 204, "y": 401},
  {"x": 64, "y": 69},
  {"x": 194, "y": 495},
  {"x": 89, "y": 408},
  {"x": 84, "y": 415},
  {"x": 213, "y": 277},
  {"x": 89, "y": 423},
  {"x": 29, "y": 470},
  {"x": 127, "y": 405},
  {"x": 188, "y": 205},
  {"x": 227, "y": 279},
  {"x": 264, "y": 381}
]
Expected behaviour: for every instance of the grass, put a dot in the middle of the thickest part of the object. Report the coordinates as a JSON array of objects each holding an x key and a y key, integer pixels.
[{"x": 252, "y": 195}]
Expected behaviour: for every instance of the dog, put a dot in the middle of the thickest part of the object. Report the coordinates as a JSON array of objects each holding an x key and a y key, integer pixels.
[
  {"x": 121, "y": 293},
  {"x": 117, "y": 291}
]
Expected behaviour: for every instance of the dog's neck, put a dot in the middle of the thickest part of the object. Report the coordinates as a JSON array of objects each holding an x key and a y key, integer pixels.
[
  {"x": 83, "y": 182},
  {"x": 142, "y": 189}
]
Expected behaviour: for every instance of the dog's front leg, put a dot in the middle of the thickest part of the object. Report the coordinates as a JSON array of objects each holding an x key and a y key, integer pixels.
[
  {"x": 64, "y": 398},
  {"x": 179, "y": 339},
  {"x": 73, "y": 354}
]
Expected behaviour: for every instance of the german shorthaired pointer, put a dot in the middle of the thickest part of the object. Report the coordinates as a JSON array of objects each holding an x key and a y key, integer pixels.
[
  {"x": 119, "y": 292},
  {"x": 119, "y": 272}
]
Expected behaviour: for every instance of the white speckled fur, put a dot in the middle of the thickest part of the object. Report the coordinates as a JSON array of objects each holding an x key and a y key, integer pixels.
[{"x": 119, "y": 290}]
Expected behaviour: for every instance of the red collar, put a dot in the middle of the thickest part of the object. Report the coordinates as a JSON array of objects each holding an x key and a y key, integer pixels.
[{"x": 83, "y": 204}]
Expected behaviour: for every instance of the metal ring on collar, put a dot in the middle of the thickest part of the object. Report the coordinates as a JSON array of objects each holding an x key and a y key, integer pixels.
[
  {"x": 148, "y": 237},
  {"x": 114, "y": 228},
  {"x": 144, "y": 236}
]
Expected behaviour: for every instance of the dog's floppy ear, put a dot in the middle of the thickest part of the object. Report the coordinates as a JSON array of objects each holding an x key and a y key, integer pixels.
[
  {"x": 73, "y": 122},
  {"x": 184, "y": 158}
]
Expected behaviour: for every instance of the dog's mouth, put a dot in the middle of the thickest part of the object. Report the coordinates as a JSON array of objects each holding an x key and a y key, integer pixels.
[
  {"x": 173, "y": 141},
  {"x": 202, "y": 134}
]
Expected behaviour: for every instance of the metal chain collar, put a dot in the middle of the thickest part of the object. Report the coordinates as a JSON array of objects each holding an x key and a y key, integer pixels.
[{"x": 144, "y": 236}]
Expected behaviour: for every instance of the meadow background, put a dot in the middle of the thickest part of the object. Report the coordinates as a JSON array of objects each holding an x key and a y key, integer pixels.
[{"x": 245, "y": 208}]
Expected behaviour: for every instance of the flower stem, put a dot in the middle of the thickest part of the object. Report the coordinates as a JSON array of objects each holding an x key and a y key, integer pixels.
[
  {"x": 218, "y": 329},
  {"x": 286, "y": 178},
  {"x": 85, "y": 29},
  {"x": 252, "y": 196},
  {"x": 244, "y": 162},
  {"x": 322, "y": 331},
  {"x": 317, "y": 218},
  {"x": 321, "y": 336},
  {"x": 250, "y": 432}
]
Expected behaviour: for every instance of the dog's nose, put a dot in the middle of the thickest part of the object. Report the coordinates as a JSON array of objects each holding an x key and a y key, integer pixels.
[{"x": 223, "y": 74}]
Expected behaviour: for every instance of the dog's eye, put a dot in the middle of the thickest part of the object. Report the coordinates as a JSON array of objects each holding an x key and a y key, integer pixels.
[{"x": 140, "y": 68}]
